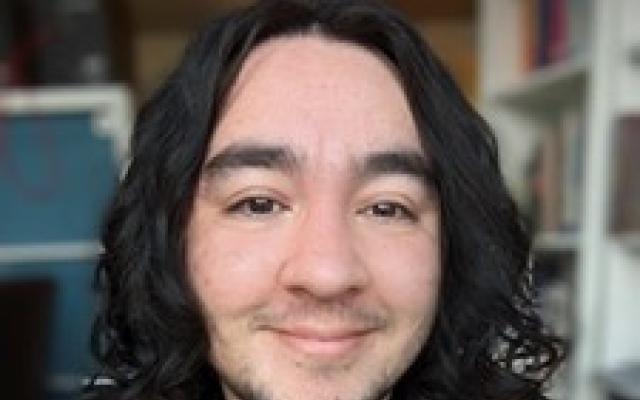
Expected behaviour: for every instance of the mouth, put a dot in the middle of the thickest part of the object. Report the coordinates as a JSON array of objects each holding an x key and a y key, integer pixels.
[{"x": 324, "y": 344}]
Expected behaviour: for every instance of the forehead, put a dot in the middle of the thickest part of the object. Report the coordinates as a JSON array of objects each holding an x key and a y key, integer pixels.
[{"x": 313, "y": 92}]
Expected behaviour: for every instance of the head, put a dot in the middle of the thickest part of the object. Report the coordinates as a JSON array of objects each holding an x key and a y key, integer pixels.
[{"x": 313, "y": 211}]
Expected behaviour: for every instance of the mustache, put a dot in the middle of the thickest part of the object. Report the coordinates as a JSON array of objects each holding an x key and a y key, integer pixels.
[{"x": 363, "y": 317}]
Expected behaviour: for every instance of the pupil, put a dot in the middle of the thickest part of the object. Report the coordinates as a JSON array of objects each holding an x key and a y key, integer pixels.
[
  {"x": 261, "y": 206},
  {"x": 385, "y": 209}
]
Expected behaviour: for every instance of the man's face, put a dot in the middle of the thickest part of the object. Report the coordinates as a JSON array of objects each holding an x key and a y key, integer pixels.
[{"x": 313, "y": 243}]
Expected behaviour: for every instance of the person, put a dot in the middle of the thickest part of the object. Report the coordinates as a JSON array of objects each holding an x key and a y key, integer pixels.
[{"x": 313, "y": 211}]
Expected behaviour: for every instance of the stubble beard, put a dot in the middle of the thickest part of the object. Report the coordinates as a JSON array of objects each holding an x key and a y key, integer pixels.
[
  {"x": 237, "y": 388},
  {"x": 246, "y": 383}
]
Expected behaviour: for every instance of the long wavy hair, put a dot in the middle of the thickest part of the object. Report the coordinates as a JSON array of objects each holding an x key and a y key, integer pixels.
[{"x": 149, "y": 336}]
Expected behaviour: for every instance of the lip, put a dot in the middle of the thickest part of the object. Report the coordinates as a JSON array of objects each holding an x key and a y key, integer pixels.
[{"x": 326, "y": 344}]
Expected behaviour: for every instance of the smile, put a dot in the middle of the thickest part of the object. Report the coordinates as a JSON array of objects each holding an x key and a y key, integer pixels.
[{"x": 323, "y": 344}]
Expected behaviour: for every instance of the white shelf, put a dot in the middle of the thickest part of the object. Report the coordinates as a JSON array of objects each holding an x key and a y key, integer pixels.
[
  {"x": 111, "y": 108},
  {"x": 547, "y": 86},
  {"x": 49, "y": 252},
  {"x": 556, "y": 242},
  {"x": 629, "y": 241}
]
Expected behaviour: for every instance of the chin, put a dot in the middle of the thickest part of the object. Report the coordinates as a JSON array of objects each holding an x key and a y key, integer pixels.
[
  {"x": 326, "y": 391},
  {"x": 302, "y": 382}
]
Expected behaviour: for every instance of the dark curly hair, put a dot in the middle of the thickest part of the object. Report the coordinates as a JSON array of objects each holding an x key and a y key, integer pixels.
[{"x": 149, "y": 336}]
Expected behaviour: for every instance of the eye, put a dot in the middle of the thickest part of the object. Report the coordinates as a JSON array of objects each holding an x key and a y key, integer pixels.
[
  {"x": 389, "y": 210},
  {"x": 256, "y": 206}
]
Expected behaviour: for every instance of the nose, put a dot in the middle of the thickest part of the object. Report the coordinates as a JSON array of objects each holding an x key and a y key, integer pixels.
[{"x": 323, "y": 261}]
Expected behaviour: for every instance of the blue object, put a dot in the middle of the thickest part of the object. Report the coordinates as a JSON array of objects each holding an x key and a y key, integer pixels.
[{"x": 56, "y": 177}]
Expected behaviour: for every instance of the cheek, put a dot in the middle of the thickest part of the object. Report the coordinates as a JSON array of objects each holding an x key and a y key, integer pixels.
[
  {"x": 407, "y": 273},
  {"x": 230, "y": 271}
]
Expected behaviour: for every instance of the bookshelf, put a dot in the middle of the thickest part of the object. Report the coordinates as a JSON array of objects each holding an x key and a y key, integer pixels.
[{"x": 526, "y": 93}]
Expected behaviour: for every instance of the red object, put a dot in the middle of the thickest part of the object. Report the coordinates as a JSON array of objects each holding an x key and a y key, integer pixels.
[{"x": 558, "y": 31}]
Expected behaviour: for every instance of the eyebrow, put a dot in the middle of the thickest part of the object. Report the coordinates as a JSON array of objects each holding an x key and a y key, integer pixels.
[
  {"x": 281, "y": 158},
  {"x": 402, "y": 162},
  {"x": 252, "y": 155}
]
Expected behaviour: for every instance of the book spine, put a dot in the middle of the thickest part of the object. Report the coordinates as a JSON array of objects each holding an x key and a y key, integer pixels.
[
  {"x": 573, "y": 140},
  {"x": 543, "y": 37},
  {"x": 529, "y": 35},
  {"x": 554, "y": 30},
  {"x": 579, "y": 27},
  {"x": 626, "y": 193},
  {"x": 550, "y": 184},
  {"x": 558, "y": 27}
]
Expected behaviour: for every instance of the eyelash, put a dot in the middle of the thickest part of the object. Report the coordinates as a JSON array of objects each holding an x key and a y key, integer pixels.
[
  {"x": 240, "y": 207},
  {"x": 243, "y": 206},
  {"x": 406, "y": 214}
]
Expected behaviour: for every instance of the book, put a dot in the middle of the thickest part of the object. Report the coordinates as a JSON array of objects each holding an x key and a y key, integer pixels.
[
  {"x": 553, "y": 31},
  {"x": 543, "y": 32},
  {"x": 626, "y": 176},
  {"x": 529, "y": 23},
  {"x": 549, "y": 185},
  {"x": 579, "y": 27},
  {"x": 573, "y": 135},
  {"x": 558, "y": 29},
  {"x": 558, "y": 178}
]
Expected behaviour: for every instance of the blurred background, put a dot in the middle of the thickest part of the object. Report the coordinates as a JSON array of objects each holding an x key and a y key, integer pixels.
[{"x": 559, "y": 80}]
